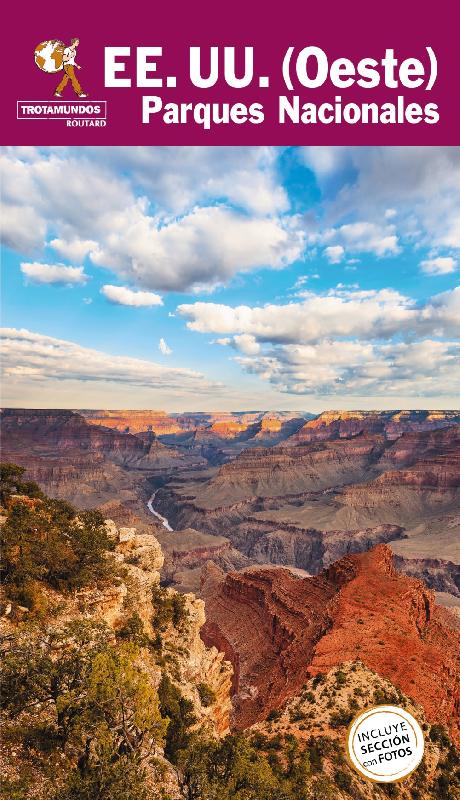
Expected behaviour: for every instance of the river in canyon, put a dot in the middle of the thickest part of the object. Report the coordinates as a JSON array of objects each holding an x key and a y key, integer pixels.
[{"x": 163, "y": 520}]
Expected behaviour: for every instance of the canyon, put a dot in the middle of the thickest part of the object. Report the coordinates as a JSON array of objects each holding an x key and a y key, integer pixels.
[
  {"x": 307, "y": 503},
  {"x": 318, "y": 557},
  {"x": 269, "y": 487}
]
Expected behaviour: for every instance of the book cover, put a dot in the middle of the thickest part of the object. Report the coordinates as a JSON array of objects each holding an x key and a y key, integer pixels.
[{"x": 230, "y": 462}]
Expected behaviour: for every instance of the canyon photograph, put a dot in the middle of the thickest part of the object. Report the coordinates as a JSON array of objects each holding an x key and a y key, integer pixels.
[{"x": 230, "y": 469}]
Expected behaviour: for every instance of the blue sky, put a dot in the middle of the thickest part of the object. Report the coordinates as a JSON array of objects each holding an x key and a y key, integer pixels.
[{"x": 231, "y": 278}]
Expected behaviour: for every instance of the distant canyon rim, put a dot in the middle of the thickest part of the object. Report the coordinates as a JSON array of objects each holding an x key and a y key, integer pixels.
[{"x": 260, "y": 487}]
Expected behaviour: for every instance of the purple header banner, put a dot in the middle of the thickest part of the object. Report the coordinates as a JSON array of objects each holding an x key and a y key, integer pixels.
[{"x": 295, "y": 73}]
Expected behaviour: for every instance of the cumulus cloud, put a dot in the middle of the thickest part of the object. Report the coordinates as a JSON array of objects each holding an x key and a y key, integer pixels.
[
  {"x": 39, "y": 358},
  {"x": 201, "y": 250},
  {"x": 231, "y": 218},
  {"x": 243, "y": 343},
  {"x": 75, "y": 249},
  {"x": 346, "y": 341},
  {"x": 177, "y": 178},
  {"x": 358, "y": 237},
  {"x": 334, "y": 253},
  {"x": 341, "y": 312},
  {"x": 425, "y": 368},
  {"x": 122, "y": 296},
  {"x": 368, "y": 237},
  {"x": 442, "y": 265},
  {"x": 420, "y": 188},
  {"x": 57, "y": 274},
  {"x": 164, "y": 348}
]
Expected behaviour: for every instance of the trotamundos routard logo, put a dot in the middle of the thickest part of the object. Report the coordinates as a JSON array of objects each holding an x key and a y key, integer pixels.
[{"x": 54, "y": 57}]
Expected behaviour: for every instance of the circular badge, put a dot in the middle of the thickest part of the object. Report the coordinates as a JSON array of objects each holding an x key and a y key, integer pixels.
[{"x": 385, "y": 744}]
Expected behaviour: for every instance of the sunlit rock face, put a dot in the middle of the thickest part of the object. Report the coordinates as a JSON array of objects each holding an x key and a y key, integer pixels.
[{"x": 277, "y": 628}]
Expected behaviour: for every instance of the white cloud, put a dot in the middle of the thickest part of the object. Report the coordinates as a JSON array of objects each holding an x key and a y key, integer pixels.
[
  {"x": 39, "y": 358},
  {"x": 164, "y": 348},
  {"x": 54, "y": 274},
  {"x": 75, "y": 249},
  {"x": 324, "y": 160},
  {"x": 122, "y": 296},
  {"x": 345, "y": 342},
  {"x": 369, "y": 238},
  {"x": 341, "y": 312},
  {"x": 177, "y": 178},
  {"x": 201, "y": 250},
  {"x": 103, "y": 216},
  {"x": 440, "y": 315},
  {"x": 442, "y": 265},
  {"x": 334, "y": 253},
  {"x": 358, "y": 237},
  {"x": 367, "y": 182},
  {"x": 243, "y": 343},
  {"x": 371, "y": 314},
  {"x": 23, "y": 229},
  {"x": 425, "y": 368}
]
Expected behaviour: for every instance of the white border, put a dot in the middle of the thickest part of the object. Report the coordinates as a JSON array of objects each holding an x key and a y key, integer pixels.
[{"x": 57, "y": 102}]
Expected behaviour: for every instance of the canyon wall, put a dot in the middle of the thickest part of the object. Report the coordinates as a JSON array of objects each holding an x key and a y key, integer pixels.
[{"x": 277, "y": 629}]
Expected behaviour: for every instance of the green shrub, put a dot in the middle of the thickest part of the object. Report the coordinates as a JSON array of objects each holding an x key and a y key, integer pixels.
[
  {"x": 439, "y": 734},
  {"x": 343, "y": 780},
  {"x": 179, "y": 710},
  {"x": 47, "y": 541},
  {"x": 207, "y": 694},
  {"x": 340, "y": 718},
  {"x": 319, "y": 678},
  {"x": 123, "y": 779},
  {"x": 11, "y": 483},
  {"x": 133, "y": 629},
  {"x": 274, "y": 715},
  {"x": 170, "y": 608},
  {"x": 340, "y": 678}
]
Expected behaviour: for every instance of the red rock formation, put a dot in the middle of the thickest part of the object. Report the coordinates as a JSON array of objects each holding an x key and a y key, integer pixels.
[
  {"x": 427, "y": 445},
  {"x": 134, "y": 421},
  {"x": 61, "y": 430},
  {"x": 277, "y": 628},
  {"x": 392, "y": 424},
  {"x": 390, "y": 621},
  {"x": 425, "y": 460},
  {"x": 261, "y": 621},
  {"x": 223, "y": 424},
  {"x": 225, "y": 429},
  {"x": 310, "y": 466},
  {"x": 73, "y": 459}
]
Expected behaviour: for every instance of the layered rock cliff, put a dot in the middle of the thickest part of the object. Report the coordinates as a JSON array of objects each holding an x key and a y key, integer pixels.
[
  {"x": 185, "y": 657},
  {"x": 392, "y": 424},
  {"x": 276, "y": 629},
  {"x": 127, "y": 421},
  {"x": 309, "y": 504},
  {"x": 86, "y": 464}
]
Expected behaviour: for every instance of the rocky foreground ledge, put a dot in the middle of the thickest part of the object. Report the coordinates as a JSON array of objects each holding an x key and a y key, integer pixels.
[{"x": 189, "y": 661}]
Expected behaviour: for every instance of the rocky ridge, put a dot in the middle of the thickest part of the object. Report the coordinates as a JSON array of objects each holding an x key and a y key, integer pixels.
[
  {"x": 392, "y": 424},
  {"x": 276, "y": 629}
]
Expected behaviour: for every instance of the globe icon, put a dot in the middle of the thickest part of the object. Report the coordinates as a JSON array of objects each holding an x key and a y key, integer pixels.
[{"x": 49, "y": 54}]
